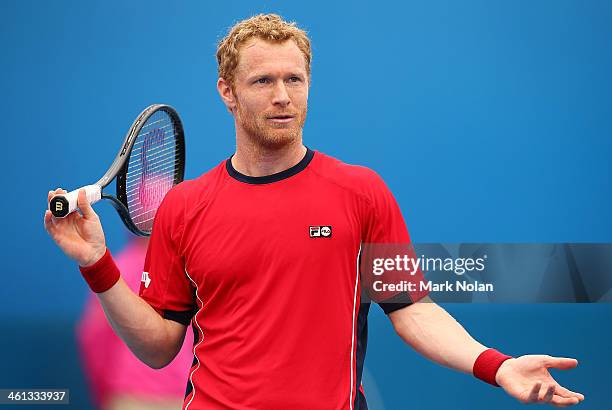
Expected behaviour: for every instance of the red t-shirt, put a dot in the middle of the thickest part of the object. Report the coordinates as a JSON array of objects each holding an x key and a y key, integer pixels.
[{"x": 266, "y": 269}]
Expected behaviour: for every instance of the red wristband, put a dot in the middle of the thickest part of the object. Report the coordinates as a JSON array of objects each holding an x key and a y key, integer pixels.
[
  {"x": 487, "y": 364},
  {"x": 102, "y": 275}
]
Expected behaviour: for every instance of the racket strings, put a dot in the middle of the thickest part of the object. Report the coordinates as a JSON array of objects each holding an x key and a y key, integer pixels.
[
  {"x": 138, "y": 143},
  {"x": 151, "y": 169},
  {"x": 158, "y": 157},
  {"x": 134, "y": 192}
]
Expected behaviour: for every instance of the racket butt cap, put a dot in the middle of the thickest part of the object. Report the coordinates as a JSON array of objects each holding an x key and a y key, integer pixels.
[{"x": 59, "y": 206}]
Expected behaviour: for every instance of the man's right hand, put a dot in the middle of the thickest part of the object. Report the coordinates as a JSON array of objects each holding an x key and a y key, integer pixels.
[
  {"x": 80, "y": 236},
  {"x": 153, "y": 339}
]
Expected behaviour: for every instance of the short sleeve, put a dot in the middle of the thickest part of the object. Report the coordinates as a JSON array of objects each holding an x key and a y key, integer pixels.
[
  {"x": 165, "y": 285},
  {"x": 390, "y": 274}
]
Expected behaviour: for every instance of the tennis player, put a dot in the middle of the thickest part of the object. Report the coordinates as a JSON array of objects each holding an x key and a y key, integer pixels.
[{"x": 260, "y": 255}]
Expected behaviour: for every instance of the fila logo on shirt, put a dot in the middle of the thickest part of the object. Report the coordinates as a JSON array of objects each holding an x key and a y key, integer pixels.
[
  {"x": 146, "y": 279},
  {"x": 324, "y": 231}
]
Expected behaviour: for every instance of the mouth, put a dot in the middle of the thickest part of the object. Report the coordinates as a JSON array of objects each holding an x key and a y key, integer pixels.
[{"x": 281, "y": 118}]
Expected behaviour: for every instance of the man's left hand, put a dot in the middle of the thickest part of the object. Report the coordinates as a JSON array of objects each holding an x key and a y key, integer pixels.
[{"x": 527, "y": 379}]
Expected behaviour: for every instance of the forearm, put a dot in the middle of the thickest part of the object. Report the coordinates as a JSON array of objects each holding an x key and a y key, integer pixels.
[
  {"x": 153, "y": 339},
  {"x": 431, "y": 331}
]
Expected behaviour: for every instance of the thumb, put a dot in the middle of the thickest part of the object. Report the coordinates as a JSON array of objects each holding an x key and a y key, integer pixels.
[
  {"x": 85, "y": 206},
  {"x": 562, "y": 363}
]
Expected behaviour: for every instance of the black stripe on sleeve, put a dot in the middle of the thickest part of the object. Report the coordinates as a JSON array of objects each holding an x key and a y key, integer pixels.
[
  {"x": 182, "y": 317},
  {"x": 397, "y": 302}
]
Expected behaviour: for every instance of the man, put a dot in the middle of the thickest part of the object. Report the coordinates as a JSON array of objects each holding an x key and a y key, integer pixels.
[{"x": 261, "y": 255}]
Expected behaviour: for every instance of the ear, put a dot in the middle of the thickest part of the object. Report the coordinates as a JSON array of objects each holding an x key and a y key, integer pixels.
[{"x": 227, "y": 95}]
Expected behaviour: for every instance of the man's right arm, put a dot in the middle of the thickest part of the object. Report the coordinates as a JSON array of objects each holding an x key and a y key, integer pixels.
[{"x": 153, "y": 339}]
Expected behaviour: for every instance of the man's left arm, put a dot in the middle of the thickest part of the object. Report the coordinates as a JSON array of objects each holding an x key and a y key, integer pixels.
[{"x": 434, "y": 333}]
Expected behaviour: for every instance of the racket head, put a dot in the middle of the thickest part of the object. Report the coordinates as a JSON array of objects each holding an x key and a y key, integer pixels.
[{"x": 154, "y": 162}]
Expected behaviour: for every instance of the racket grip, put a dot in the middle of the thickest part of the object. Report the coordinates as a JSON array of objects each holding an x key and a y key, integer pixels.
[{"x": 63, "y": 205}]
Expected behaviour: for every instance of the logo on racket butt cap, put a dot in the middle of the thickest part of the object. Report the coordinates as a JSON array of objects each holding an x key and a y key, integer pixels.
[{"x": 59, "y": 206}]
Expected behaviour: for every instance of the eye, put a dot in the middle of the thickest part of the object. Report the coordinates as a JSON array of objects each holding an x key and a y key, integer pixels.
[
  {"x": 294, "y": 79},
  {"x": 262, "y": 80}
]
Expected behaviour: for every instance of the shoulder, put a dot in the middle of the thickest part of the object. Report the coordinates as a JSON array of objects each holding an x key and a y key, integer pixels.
[
  {"x": 191, "y": 189},
  {"x": 179, "y": 203},
  {"x": 192, "y": 192},
  {"x": 359, "y": 179}
]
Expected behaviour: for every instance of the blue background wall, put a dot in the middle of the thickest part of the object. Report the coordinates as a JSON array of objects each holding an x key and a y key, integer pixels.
[{"x": 489, "y": 120}]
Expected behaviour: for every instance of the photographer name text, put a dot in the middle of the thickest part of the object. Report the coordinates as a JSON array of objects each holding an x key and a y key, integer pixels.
[{"x": 447, "y": 286}]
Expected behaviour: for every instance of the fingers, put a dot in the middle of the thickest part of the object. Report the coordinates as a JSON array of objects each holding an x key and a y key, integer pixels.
[
  {"x": 553, "y": 394},
  {"x": 559, "y": 401},
  {"x": 549, "y": 391},
  {"x": 49, "y": 219},
  {"x": 541, "y": 395},
  {"x": 55, "y": 226},
  {"x": 534, "y": 394},
  {"x": 85, "y": 206},
  {"x": 563, "y": 392},
  {"x": 51, "y": 194},
  {"x": 562, "y": 363}
]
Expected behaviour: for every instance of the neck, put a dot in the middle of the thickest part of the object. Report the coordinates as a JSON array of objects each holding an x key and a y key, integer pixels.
[{"x": 255, "y": 160}]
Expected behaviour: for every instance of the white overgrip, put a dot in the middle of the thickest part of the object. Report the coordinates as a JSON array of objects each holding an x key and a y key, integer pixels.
[{"x": 93, "y": 193}]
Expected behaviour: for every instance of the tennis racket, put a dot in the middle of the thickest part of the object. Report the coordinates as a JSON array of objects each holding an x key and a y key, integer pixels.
[{"x": 150, "y": 162}]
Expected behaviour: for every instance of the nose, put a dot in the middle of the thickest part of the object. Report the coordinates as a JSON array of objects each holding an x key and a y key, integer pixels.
[{"x": 280, "y": 97}]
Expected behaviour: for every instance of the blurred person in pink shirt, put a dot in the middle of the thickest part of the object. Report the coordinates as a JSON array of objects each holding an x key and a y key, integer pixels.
[{"x": 117, "y": 379}]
